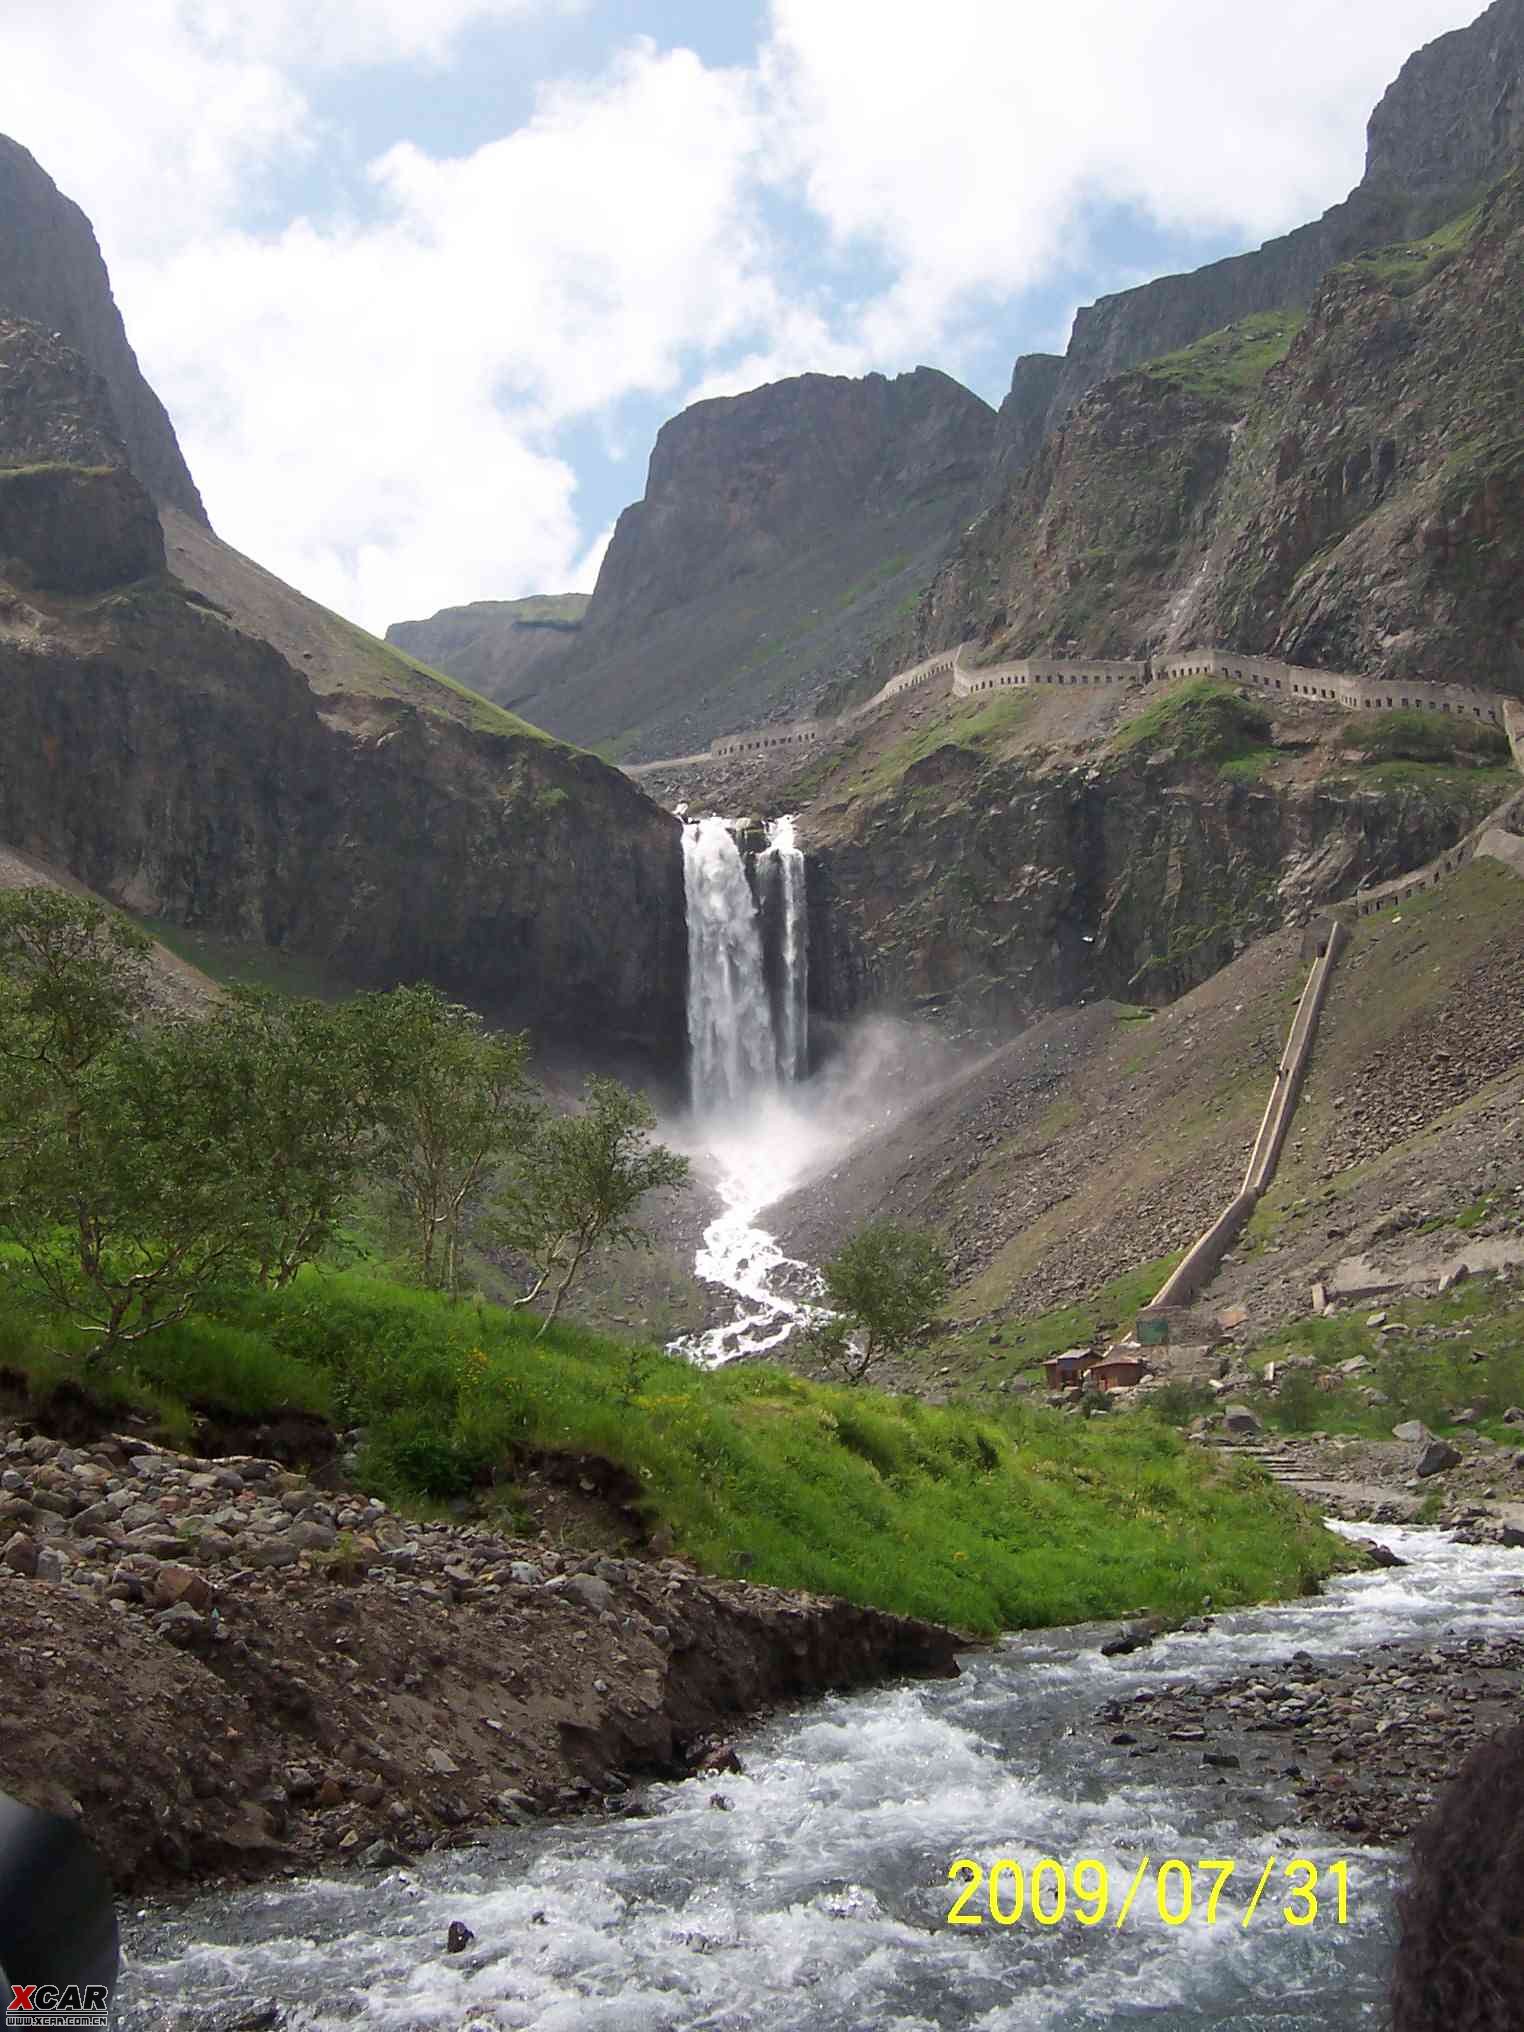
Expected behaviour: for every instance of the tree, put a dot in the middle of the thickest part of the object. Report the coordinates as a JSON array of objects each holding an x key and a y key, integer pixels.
[
  {"x": 882, "y": 1286},
  {"x": 119, "y": 1181},
  {"x": 315, "y": 1081},
  {"x": 456, "y": 1103},
  {"x": 73, "y": 978},
  {"x": 575, "y": 1185}
]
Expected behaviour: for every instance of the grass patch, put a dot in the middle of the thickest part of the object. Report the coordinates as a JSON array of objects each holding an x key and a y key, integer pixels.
[
  {"x": 1025, "y": 1343},
  {"x": 1464, "y": 1351},
  {"x": 1409, "y": 736},
  {"x": 393, "y": 671},
  {"x": 981, "y": 1519},
  {"x": 1409, "y": 264},
  {"x": 238, "y": 962},
  {"x": 1252, "y": 767},
  {"x": 1201, "y": 720},
  {"x": 974, "y": 727},
  {"x": 1231, "y": 363}
]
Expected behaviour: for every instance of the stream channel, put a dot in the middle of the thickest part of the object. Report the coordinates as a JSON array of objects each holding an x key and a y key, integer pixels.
[{"x": 818, "y": 1902}]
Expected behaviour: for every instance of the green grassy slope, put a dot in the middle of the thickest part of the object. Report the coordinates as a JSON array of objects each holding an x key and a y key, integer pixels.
[{"x": 979, "y": 1519}]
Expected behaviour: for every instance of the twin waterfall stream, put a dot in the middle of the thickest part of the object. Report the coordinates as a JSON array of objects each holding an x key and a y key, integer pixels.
[{"x": 748, "y": 1041}]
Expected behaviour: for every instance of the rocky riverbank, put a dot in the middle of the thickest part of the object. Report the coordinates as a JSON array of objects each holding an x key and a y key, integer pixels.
[
  {"x": 223, "y": 1669},
  {"x": 1368, "y": 1742}
]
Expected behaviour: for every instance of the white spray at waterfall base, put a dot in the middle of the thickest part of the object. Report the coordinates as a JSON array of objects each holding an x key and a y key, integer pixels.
[
  {"x": 744, "y": 1133},
  {"x": 761, "y": 1125}
]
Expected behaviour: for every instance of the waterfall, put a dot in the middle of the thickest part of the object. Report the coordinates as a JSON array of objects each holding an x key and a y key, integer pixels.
[
  {"x": 730, "y": 1030},
  {"x": 748, "y": 963},
  {"x": 793, "y": 1034}
]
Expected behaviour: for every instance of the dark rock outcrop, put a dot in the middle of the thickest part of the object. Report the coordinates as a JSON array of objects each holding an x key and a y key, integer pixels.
[
  {"x": 987, "y": 892},
  {"x": 1022, "y": 421},
  {"x": 1357, "y": 509},
  {"x": 780, "y": 532},
  {"x": 1444, "y": 130},
  {"x": 62, "y": 471},
  {"x": 52, "y": 274},
  {"x": 741, "y": 483},
  {"x": 186, "y": 770},
  {"x": 493, "y": 645},
  {"x": 200, "y": 744}
]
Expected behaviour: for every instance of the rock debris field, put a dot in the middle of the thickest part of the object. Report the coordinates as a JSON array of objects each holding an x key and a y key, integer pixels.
[
  {"x": 221, "y": 1669},
  {"x": 1367, "y": 1742}
]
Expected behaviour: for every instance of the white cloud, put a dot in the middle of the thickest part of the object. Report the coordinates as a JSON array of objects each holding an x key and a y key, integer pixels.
[
  {"x": 371, "y": 402},
  {"x": 371, "y": 409},
  {"x": 965, "y": 144}
]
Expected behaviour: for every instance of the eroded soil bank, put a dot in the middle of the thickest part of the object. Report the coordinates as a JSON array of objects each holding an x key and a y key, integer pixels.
[{"x": 226, "y": 1671}]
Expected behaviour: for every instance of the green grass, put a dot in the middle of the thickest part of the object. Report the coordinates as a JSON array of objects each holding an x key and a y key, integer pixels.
[
  {"x": 1234, "y": 361},
  {"x": 977, "y": 1518},
  {"x": 17, "y": 472},
  {"x": 974, "y": 727},
  {"x": 237, "y": 962},
  {"x": 1409, "y": 736},
  {"x": 1409, "y": 264},
  {"x": 393, "y": 671},
  {"x": 1252, "y": 767},
  {"x": 1025, "y": 1343},
  {"x": 1424, "y": 1373},
  {"x": 1202, "y": 720}
]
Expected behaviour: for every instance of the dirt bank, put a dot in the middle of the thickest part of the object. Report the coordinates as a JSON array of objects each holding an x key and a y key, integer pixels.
[{"x": 222, "y": 1669}]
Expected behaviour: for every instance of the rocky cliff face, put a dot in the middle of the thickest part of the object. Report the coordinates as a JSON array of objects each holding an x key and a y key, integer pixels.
[
  {"x": 987, "y": 893},
  {"x": 493, "y": 645},
  {"x": 52, "y": 275},
  {"x": 1342, "y": 491},
  {"x": 740, "y": 484},
  {"x": 1444, "y": 130},
  {"x": 186, "y": 770},
  {"x": 195, "y": 741},
  {"x": 780, "y": 532},
  {"x": 61, "y": 469},
  {"x": 1372, "y": 516}
]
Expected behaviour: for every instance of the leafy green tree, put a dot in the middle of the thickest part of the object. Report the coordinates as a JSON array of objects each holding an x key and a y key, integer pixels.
[
  {"x": 314, "y": 1082},
  {"x": 575, "y": 1185},
  {"x": 119, "y": 1180},
  {"x": 73, "y": 978},
  {"x": 883, "y": 1286},
  {"x": 456, "y": 1104}
]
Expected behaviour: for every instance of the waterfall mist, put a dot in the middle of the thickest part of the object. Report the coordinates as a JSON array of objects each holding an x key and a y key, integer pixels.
[{"x": 760, "y": 1124}]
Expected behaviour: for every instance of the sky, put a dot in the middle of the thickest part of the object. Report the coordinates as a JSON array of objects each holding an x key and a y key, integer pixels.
[{"x": 419, "y": 280}]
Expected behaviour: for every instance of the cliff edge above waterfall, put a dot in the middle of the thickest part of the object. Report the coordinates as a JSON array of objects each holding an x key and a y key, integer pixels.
[{"x": 203, "y": 745}]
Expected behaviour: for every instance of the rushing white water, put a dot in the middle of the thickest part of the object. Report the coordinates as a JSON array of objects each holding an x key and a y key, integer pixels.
[
  {"x": 793, "y": 1039},
  {"x": 819, "y": 1902},
  {"x": 730, "y": 1031},
  {"x": 754, "y": 1157},
  {"x": 753, "y": 1144}
]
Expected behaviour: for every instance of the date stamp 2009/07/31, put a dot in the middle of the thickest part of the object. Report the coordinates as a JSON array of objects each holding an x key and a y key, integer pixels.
[{"x": 1293, "y": 1892}]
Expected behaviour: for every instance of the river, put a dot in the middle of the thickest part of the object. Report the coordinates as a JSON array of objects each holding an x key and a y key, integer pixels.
[{"x": 818, "y": 1901}]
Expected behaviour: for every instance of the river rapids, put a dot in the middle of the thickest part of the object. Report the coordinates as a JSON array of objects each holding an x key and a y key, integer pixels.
[{"x": 818, "y": 1901}]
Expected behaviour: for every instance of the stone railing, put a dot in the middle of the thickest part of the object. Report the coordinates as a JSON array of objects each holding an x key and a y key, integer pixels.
[
  {"x": 1289, "y": 680},
  {"x": 1203, "y": 1259},
  {"x": 1332, "y": 687},
  {"x": 1051, "y": 670},
  {"x": 790, "y": 734}
]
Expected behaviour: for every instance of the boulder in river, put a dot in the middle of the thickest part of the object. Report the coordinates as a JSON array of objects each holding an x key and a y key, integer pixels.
[{"x": 1132, "y": 1637}]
